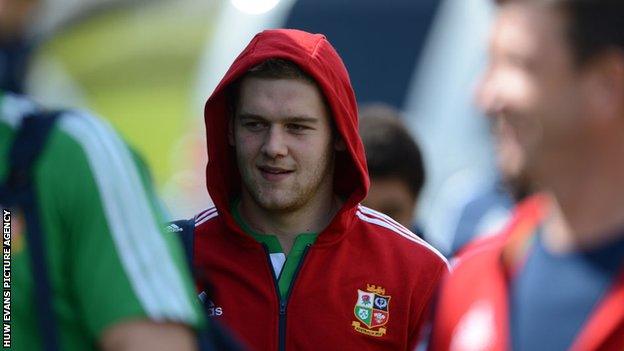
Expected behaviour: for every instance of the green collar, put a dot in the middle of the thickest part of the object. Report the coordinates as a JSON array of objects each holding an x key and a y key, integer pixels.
[
  {"x": 294, "y": 257},
  {"x": 271, "y": 240}
]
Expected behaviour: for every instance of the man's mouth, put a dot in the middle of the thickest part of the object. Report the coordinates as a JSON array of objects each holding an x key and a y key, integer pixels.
[{"x": 274, "y": 173}]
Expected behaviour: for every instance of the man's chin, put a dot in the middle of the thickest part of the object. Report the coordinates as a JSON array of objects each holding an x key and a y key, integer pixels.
[{"x": 277, "y": 205}]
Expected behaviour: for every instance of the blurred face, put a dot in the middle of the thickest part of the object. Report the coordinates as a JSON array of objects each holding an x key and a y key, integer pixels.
[
  {"x": 533, "y": 87},
  {"x": 15, "y": 16},
  {"x": 510, "y": 159},
  {"x": 393, "y": 197},
  {"x": 284, "y": 145},
  {"x": 509, "y": 156}
]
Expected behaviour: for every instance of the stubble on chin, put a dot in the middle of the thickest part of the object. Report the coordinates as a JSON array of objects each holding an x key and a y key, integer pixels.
[
  {"x": 286, "y": 198},
  {"x": 271, "y": 198}
]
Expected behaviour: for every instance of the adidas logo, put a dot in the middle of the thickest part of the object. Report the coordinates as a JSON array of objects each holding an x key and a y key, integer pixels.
[
  {"x": 173, "y": 228},
  {"x": 211, "y": 309}
]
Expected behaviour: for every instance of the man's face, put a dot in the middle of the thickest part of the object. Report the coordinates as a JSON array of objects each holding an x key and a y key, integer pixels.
[
  {"x": 533, "y": 86},
  {"x": 284, "y": 145},
  {"x": 510, "y": 158},
  {"x": 393, "y": 197}
]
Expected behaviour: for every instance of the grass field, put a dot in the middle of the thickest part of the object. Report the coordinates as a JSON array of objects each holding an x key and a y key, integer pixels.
[{"x": 136, "y": 67}]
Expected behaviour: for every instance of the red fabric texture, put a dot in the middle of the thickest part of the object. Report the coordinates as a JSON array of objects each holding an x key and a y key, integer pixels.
[
  {"x": 472, "y": 311},
  {"x": 349, "y": 254}
]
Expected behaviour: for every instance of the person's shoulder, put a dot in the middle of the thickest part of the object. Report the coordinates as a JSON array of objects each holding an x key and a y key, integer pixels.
[
  {"x": 90, "y": 132},
  {"x": 523, "y": 219},
  {"x": 83, "y": 128},
  {"x": 77, "y": 137},
  {"x": 385, "y": 231},
  {"x": 480, "y": 249},
  {"x": 206, "y": 219},
  {"x": 82, "y": 143}
]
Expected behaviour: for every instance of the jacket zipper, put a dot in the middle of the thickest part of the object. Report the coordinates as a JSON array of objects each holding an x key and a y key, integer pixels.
[{"x": 283, "y": 303}]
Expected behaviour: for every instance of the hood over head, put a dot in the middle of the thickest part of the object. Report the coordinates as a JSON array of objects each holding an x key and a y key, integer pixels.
[{"x": 315, "y": 56}]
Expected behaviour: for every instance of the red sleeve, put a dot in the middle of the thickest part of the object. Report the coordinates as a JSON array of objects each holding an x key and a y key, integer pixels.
[{"x": 423, "y": 322}]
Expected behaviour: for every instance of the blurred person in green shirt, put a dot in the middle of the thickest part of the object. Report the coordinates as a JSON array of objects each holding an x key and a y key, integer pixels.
[{"x": 117, "y": 281}]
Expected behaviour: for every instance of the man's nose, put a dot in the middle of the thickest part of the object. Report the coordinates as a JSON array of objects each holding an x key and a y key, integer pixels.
[
  {"x": 488, "y": 95},
  {"x": 275, "y": 143}
]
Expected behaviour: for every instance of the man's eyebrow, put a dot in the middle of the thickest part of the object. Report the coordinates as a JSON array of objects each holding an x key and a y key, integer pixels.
[
  {"x": 291, "y": 119},
  {"x": 246, "y": 115},
  {"x": 301, "y": 119}
]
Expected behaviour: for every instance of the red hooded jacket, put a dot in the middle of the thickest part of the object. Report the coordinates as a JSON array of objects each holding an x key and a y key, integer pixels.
[
  {"x": 473, "y": 313},
  {"x": 361, "y": 257}
]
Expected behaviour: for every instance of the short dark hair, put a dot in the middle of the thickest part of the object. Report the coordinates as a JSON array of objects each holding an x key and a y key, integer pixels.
[
  {"x": 390, "y": 149},
  {"x": 276, "y": 68},
  {"x": 273, "y": 68},
  {"x": 594, "y": 26}
]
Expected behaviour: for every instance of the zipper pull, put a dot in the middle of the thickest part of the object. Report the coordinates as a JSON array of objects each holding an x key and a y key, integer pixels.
[{"x": 282, "y": 310}]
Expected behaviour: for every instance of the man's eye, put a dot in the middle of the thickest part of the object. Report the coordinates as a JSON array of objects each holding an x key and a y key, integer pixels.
[
  {"x": 297, "y": 127},
  {"x": 254, "y": 125}
]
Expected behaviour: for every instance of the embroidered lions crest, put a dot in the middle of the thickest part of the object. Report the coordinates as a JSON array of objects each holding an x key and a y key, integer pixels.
[{"x": 372, "y": 308}]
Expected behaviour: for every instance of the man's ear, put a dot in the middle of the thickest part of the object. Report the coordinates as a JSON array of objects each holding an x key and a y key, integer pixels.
[
  {"x": 339, "y": 144},
  {"x": 230, "y": 131}
]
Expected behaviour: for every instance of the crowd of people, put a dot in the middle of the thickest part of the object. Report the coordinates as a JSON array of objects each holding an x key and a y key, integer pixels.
[{"x": 311, "y": 242}]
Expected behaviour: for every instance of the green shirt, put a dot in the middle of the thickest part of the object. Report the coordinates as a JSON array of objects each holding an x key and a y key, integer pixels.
[
  {"x": 284, "y": 267},
  {"x": 107, "y": 257}
]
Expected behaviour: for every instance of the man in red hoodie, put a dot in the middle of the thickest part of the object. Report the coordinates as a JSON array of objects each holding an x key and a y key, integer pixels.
[
  {"x": 554, "y": 280},
  {"x": 295, "y": 262}
]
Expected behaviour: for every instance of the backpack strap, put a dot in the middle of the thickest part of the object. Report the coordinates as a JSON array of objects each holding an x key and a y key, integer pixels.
[
  {"x": 219, "y": 338},
  {"x": 216, "y": 336},
  {"x": 27, "y": 145},
  {"x": 185, "y": 230},
  {"x": 18, "y": 190}
]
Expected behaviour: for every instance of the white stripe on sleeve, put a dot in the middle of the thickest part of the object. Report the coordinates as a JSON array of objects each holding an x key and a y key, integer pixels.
[
  {"x": 134, "y": 228},
  {"x": 368, "y": 215}
]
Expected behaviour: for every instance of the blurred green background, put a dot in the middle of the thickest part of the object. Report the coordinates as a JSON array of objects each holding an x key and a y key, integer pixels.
[{"x": 135, "y": 65}]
